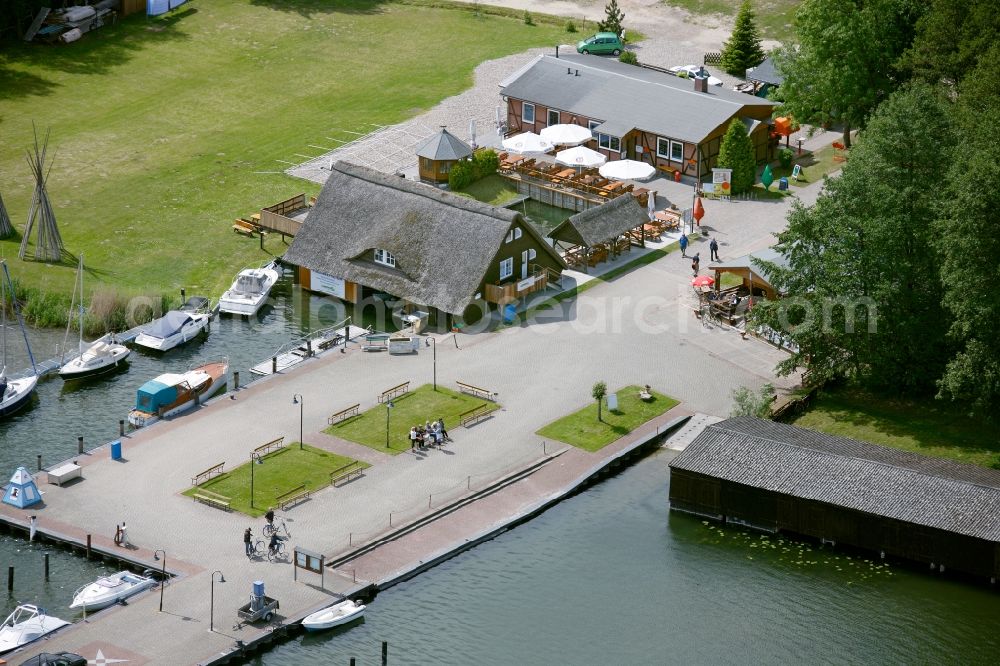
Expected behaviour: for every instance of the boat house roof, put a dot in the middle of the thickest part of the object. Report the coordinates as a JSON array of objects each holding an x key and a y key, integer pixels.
[
  {"x": 444, "y": 146},
  {"x": 878, "y": 480},
  {"x": 602, "y": 223},
  {"x": 596, "y": 87}
]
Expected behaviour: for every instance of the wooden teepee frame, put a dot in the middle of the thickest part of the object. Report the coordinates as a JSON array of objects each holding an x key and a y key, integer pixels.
[
  {"x": 49, "y": 245},
  {"x": 6, "y": 228}
]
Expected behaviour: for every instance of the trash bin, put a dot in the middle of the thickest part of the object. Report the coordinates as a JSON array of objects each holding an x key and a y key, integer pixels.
[
  {"x": 509, "y": 313},
  {"x": 116, "y": 449},
  {"x": 782, "y": 183},
  {"x": 677, "y": 176}
]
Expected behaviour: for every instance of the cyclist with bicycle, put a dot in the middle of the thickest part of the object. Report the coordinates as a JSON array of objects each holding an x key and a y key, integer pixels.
[{"x": 274, "y": 546}]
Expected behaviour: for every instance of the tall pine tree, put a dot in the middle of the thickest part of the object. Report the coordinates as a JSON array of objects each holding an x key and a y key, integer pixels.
[
  {"x": 743, "y": 49},
  {"x": 614, "y": 17},
  {"x": 736, "y": 153}
]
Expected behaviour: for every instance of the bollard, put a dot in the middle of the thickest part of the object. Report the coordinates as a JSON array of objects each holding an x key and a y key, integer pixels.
[
  {"x": 121, "y": 427},
  {"x": 182, "y": 295},
  {"x": 274, "y": 365},
  {"x": 10, "y": 578},
  {"x": 352, "y": 661},
  {"x": 46, "y": 566},
  {"x": 79, "y": 445},
  {"x": 236, "y": 379},
  {"x": 88, "y": 548},
  {"x": 385, "y": 653},
  {"x": 309, "y": 348},
  {"x": 428, "y": 501},
  {"x": 39, "y": 462}
]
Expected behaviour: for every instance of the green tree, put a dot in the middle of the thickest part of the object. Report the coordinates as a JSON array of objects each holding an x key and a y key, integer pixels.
[
  {"x": 863, "y": 284},
  {"x": 843, "y": 64},
  {"x": 613, "y": 18},
  {"x": 736, "y": 153},
  {"x": 743, "y": 49},
  {"x": 748, "y": 403},
  {"x": 950, "y": 39},
  {"x": 598, "y": 392}
]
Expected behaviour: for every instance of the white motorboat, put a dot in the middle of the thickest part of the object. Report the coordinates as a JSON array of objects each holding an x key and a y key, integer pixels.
[
  {"x": 95, "y": 357},
  {"x": 14, "y": 393},
  {"x": 249, "y": 290},
  {"x": 334, "y": 616},
  {"x": 27, "y": 623},
  {"x": 110, "y": 589},
  {"x": 177, "y": 326},
  {"x": 170, "y": 393}
]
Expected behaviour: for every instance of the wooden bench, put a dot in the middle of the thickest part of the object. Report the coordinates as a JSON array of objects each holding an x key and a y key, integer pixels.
[
  {"x": 202, "y": 477},
  {"x": 293, "y": 497},
  {"x": 344, "y": 414},
  {"x": 212, "y": 499},
  {"x": 347, "y": 472},
  {"x": 476, "y": 391},
  {"x": 474, "y": 415},
  {"x": 270, "y": 447},
  {"x": 247, "y": 227},
  {"x": 64, "y": 473},
  {"x": 394, "y": 392}
]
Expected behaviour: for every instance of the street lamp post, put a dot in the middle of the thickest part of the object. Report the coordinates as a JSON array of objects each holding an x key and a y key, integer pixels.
[
  {"x": 255, "y": 459},
  {"x": 211, "y": 612},
  {"x": 298, "y": 400},
  {"x": 388, "y": 406},
  {"x": 435, "y": 347},
  {"x": 163, "y": 573}
]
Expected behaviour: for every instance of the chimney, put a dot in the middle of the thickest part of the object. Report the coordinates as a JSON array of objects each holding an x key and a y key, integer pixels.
[
  {"x": 577, "y": 73},
  {"x": 569, "y": 70},
  {"x": 701, "y": 83}
]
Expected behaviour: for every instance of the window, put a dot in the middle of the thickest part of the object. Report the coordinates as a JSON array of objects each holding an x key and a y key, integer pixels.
[
  {"x": 527, "y": 112},
  {"x": 663, "y": 148},
  {"x": 611, "y": 143},
  {"x": 676, "y": 151},
  {"x": 553, "y": 117},
  {"x": 531, "y": 253},
  {"x": 506, "y": 268},
  {"x": 385, "y": 258},
  {"x": 592, "y": 126},
  {"x": 514, "y": 234}
]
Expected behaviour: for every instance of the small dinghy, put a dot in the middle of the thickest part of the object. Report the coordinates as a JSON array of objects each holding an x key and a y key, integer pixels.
[
  {"x": 334, "y": 616},
  {"x": 109, "y": 590},
  {"x": 27, "y": 623}
]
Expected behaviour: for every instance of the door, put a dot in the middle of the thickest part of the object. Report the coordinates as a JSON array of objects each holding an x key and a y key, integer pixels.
[
  {"x": 524, "y": 264},
  {"x": 553, "y": 118}
]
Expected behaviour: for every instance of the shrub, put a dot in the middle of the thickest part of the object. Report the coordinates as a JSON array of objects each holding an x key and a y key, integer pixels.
[
  {"x": 527, "y": 18},
  {"x": 486, "y": 162},
  {"x": 461, "y": 175},
  {"x": 629, "y": 58},
  {"x": 465, "y": 172},
  {"x": 570, "y": 26},
  {"x": 785, "y": 156},
  {"x": 737, "y": 153},
  {"x": 748, "y": 403}
]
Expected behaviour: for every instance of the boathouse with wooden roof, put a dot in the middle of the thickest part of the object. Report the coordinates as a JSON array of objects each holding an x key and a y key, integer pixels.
[{"x": 782, "y": 478}]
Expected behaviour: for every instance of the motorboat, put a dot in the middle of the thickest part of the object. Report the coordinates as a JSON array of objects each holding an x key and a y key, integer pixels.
[
  {"x": 109, "y": 590},
  {"x": 27, "y": 623},
  {"x": 14, "y": 393},
  {"x": 249, "y": 290},
  {"x": 334, "y": 616},
  {"x": 171, "y": 393},
  {"x": 94, "y": 357},
  {"x": 177, "y": 326}
]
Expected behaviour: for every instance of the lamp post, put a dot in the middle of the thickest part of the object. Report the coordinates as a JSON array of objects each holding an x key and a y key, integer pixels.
[
  {"x": 435, "y": 346},
  {"x": 297, "y": 400},
  {"x": 254, "y": 459},
  {"x": 211, "y": 612},
  {"x": 163, "y": 573},
  {"x": 388, "y": 406}
]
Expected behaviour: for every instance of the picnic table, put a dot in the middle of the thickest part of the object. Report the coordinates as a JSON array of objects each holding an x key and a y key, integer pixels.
[{"x": 670, "y": 219}]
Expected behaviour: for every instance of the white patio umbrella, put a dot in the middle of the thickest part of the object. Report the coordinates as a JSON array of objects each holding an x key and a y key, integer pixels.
[
  {"x": 651, "y": 205},
  {"x": 528, "y": 142},
  {"x": 627, "y": 170},
  {"x": 580, "y": 157},
  {"x": 566, "y": 135}
]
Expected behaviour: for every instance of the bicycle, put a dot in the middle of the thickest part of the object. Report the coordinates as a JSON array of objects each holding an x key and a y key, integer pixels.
[
  {"x": 258, "y": 549},
  {"x": 279, "y": 551},
  {"x": 270, "y": 528}
]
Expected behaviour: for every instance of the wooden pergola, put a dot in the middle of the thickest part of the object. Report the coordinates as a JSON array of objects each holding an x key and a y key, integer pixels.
[{"x": 602, "y": 232}]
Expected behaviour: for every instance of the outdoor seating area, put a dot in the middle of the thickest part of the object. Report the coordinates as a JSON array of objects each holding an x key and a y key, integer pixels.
[
  {"x": 602, "y": 233},
  {"x": 585, "y": 182}
]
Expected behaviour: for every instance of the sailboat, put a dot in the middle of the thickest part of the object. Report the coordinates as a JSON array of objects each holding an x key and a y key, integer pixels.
[
  {"x": 14, "y": 393},
  {"x": 94, "y": 357}
]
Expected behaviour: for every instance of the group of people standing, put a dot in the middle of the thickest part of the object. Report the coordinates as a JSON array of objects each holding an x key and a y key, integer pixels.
[
  {"x": 713, "y": 247},
  {"x": 429, "y": 434}
]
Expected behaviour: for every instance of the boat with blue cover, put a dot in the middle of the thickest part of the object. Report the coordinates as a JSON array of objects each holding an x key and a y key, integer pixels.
[{"x": 173, "y": 393}]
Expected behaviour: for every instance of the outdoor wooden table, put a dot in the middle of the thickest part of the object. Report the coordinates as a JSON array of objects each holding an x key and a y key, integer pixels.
[
  {"x": 670, "y": 219},
  {"x": 611, "y": 187},
  {"x": 653, "y": 230}
]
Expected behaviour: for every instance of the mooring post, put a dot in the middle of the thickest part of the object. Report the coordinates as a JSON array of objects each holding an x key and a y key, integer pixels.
[
  {"x": 309, "y": 347},
  {"x": 236, "y": 379},
  {"x": 88, "y": 547},
  {"x": 46, "y": 566},
  {"x": 39, "y": 462},
  {"x": 182, "y": 296},
  {"x": 385, "y": 653},
  {"x": 274, "y": 365},
  {"x": 121, "y": 427},
  {"x": 10, "y": 578},
  {"x": 352, "y": 661}
]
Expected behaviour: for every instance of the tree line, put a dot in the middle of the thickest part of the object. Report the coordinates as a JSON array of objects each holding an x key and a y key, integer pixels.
[{"x": 893, "y": 279}]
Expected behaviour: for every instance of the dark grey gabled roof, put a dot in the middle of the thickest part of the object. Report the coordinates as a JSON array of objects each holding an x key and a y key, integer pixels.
[
  {"x": 442, "y": 243},
  {"x": 765, "y": 73},
  {"x": 444, "y": 146},
  {"x": 626, "y": 96},
  {"x": 933, "y": 492},
  {"x": 753, "y": 263},
  {"x": 602, "y": 223}
]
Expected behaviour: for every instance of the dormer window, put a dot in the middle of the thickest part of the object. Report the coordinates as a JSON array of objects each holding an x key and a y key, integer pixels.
[{"x": 385, "y": 258}]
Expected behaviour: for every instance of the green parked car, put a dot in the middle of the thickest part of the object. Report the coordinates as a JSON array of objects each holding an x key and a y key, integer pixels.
[{"x": 600, "y": 44}]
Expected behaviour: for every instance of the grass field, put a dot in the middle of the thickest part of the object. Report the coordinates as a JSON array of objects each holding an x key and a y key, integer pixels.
[
  {"x": 414, "y": 408},
  {"x": 583, "y": 430},
  {"x": 926, "y": 427},
  {"x": 164, "y": 130},
  {"x": 279, "y": 473},
  {"x": 774, "y": 17}
]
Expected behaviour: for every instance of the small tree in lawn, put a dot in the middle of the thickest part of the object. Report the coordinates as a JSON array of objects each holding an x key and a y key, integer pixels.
[
  {"x": 748, "y": 403},
  {"x": 599, "y": 391},
  {"x": 736, "y": 153},
  {"x": 743, "y": 49},
  {"x": 613, "y": 18}
]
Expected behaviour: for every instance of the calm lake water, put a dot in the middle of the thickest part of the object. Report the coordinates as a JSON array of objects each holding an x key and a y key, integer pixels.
[{"x": 611, "y": 577}]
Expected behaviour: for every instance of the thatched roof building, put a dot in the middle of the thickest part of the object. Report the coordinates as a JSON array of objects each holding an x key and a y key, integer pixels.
[{"x": 602, "y": 224}]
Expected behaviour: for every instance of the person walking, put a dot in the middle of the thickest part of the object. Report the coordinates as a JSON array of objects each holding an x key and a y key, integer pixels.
[
  {"x": 695, "y": 263},
  {"x": 714, "y": 247},
  {"x": 683, "y": 242},
  {"x": 247, "y": 545},
  {"x": 444, "y": 431}
]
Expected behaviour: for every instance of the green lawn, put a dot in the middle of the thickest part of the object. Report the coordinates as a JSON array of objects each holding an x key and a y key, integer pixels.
[
  {"x": 926, "y": 427},
  {"x": 410, "y": 409},
  {"x": 279, "y": 473},
  {"x": 774, "y": 17},
  {"x": 583, "y": 430},
  {"x": 165, "y": 129},
  {"x": 492, "y": 189},
  {"x": 815, "y": 165}
]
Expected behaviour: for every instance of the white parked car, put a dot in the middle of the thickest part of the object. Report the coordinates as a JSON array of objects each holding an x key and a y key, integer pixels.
[{"x": 692, "y": 70}]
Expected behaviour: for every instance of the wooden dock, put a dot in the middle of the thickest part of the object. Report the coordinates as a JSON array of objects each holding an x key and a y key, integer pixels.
[{"x": 315, "y": 343}]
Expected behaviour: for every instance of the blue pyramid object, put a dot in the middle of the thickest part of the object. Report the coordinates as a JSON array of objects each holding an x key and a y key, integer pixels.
[{"x": 22, "y": 491}]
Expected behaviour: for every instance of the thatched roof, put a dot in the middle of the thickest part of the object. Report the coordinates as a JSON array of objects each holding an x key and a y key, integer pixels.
[
  {"x": 442, "y": 243},
  {"x": 602, "y": 223},
  {"x": 444, "y": 146}
]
